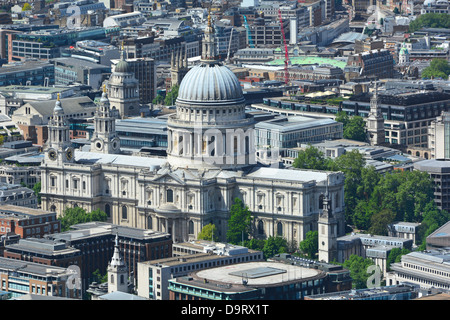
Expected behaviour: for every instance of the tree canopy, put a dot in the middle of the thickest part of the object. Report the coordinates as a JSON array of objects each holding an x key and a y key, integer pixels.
[
  {"x": 358, "y": 267},
  {"x": 354, "y": 127},
  {"x": 72, "y": 216},
  {"x": 310, "y": 246},
  {"x": 430, "y": 20},
  {"x": 239, "y": 223},
  {"x": 439, "y": 68},
  {"x": 209, "y": 232},
  {"x": 374, "y": 200},
  {"x": 172, "y": 95},
  {"x": 311, "y": 158}
]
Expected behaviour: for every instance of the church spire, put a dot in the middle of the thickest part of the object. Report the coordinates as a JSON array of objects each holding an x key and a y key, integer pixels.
[{"x": 209, "y": 50}]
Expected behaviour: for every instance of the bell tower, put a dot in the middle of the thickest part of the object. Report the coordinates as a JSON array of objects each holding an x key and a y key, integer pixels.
[
  {"x": 375, "y": 121},
  {"x": 117, "y": 271},
  {"x": 59, "y": 148},
  {"x": 328, "y": 231},
  {"x": 105, "y": 138}
]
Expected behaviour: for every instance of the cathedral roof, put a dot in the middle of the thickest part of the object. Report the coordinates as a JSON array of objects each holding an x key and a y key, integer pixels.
[
  {"x": 122, "y": 67},
  {"x": 210, "y": 83}
]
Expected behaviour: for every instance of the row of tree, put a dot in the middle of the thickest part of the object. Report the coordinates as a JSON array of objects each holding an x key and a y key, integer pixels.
[
  {"x": 430, "y": 20},
  {"x": 374, "y": 200}
]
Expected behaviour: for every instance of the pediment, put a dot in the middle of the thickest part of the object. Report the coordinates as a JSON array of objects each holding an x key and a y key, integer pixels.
[{"x": 169, "y": 178}]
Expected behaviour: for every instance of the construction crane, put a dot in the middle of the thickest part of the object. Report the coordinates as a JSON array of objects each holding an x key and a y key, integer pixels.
[
  {"x": 249, "y": 36},
  {"x": 287, "y": 62},
  {"x": 229, "y": 46}
]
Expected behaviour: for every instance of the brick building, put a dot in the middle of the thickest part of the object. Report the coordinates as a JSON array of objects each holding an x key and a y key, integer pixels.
[
  {"x": 27, "y": 222},
  {"x": 378, "y": 63},
  {"x": 44, "y": 251},
  {"x": 95, "y": 240}
]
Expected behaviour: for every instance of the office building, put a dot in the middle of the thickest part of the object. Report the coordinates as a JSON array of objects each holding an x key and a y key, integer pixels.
[
  {"x": 21, "y": 278},
  {"x": 395, "y": 292},
  {"x": 439, "y": 171},
  {"x": 28, "y": 222},
  {"x": 378, "y": 63},
  {"x": 264, "y": 280},
  {"x": 17, "y": 195},
  {"x": 144, "y": 70},
  {"x": 429, "y": 269},
  {"x": 154, "y": 275},
  {"x": 96, "y": 241},
  {"x": 35, "y": 73},
  {"x": 438, "y": 137},
  {"x": 72, "y": 70},
  {"x": 44, "y": 251},
  {"x": 289, "y": 132}
]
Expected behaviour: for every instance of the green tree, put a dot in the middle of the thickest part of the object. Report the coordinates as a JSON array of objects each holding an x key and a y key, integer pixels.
[
  {"x": 395, "y": 255},
  {"x": 310, "y": 245},
  {"x": 255, "y": 244},
  {"x": 26, "y": 7},
  {"x": 98, "y": 277},
  {"x": 171, "y": 96},
  {"x": 430, "y": 20},
  {"x": 433, "y": 218},
  {"x": 355, "y": 129},
  {"x": 351, "y": 164},
  {"x": 239, "y": 223},
  {"x": 342, "y": 117},
  {"x": 209, "y": 232},
  {"x": 439, "y": 68},
  {"x": 37, "y": 191},
  {"x": 358, "y": 267},
  {"x": 273, "y": 246},
  {"x": 311, "y": 158},
  {"x": 72, "y": 216},
  {"x": 380, "y": 221},
  {"x": 159, "y": 99}
]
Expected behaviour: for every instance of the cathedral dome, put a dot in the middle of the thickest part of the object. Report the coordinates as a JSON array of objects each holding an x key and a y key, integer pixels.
[
  {"x": 210, "y": 83},
  {"x": 122, "y": 67}
]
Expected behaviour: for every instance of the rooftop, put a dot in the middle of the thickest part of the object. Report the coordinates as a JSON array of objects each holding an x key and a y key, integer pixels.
[
  {"x": 94, "y": 229},
  {"x": 286, "y": 124},
  {"x": 19, "y": 211},
  {"x": 306, "y": 60},
  {"x": 258, "y": 273}
]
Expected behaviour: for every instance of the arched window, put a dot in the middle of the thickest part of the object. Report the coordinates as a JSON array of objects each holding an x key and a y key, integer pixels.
[
  {"x": 124, "y": 213},
  {"x": 260, "y": 227},
  {"x": 122, "y": 279},
  {"x": 108, "y": 210},
  {"x": 112, "y": 278},
  {"x": 279, "y": 229},
  {"x": 191, "y": 227},
  {"x": 169, "y": 195},
  {"x": 321, "y": 201},
  {"x": 53, "y": 208}
]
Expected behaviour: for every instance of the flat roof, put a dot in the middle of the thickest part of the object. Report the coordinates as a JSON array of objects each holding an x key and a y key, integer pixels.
[
  {"x": 258, "y": 273},
  {"x": 306, "y": 60},
  {"x": 19, "y": 211},
  {"x": 117, "y": 159},
  {"x": 288, "y": 174}
]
